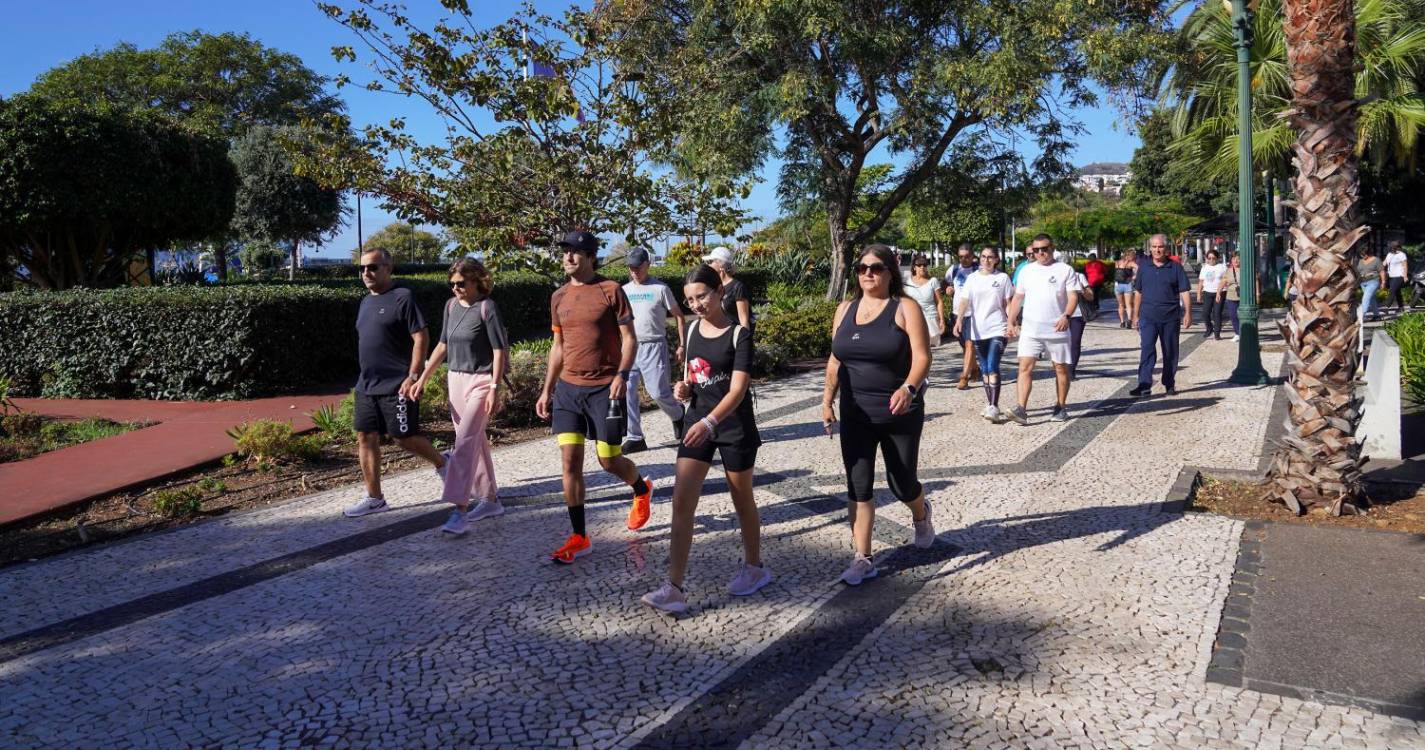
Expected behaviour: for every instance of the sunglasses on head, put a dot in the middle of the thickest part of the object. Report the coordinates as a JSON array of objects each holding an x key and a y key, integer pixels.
[
  {"x": 875, "y": 268},
  {"x": 370, "y": 267}
]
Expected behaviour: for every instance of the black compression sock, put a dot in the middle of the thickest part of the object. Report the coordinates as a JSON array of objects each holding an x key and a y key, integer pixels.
[
  {"x": 989, "y": 391},
  {"x": 994, "y": 393},
  {"x": 576, "y": 519},
  {"x": 639, "y": 486}
]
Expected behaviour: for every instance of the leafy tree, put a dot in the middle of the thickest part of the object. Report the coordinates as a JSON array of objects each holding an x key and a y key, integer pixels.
[
  {"x": 845, "y": 79},
  {"x": 273, "y": 202},
  {"x": 405, "y": 243},
  {"x": 261, "y": 257},
  {"x": 1162, "y": 177},
  {"x": 82, "y": 193}
]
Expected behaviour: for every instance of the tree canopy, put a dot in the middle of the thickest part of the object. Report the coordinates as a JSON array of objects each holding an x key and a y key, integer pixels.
[
  {"x": 273, "y": 202},
  {"x": 82, "y": 193},
  {"x": 405, "y": 243}
]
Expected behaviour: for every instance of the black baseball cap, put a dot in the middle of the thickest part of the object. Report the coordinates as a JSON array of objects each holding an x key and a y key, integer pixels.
[{"x": 584, "y": 242}]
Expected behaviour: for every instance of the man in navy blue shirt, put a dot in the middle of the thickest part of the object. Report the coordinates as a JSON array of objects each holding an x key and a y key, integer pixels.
[{"x": 1162, "y": 307}]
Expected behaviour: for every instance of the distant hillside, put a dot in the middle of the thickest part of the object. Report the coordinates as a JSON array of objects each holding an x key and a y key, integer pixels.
[{"x": 1104, "y": 167}]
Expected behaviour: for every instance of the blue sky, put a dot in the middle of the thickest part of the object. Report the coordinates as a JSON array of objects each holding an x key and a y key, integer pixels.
[{"x": 36, "y": 36}]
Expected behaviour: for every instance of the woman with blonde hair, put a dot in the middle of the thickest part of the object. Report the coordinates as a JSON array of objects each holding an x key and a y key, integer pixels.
[{"x": 473, "y": 338}]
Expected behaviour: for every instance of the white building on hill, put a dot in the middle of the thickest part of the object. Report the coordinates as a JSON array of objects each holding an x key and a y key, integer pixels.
[{"x": 1103, "y": 177}]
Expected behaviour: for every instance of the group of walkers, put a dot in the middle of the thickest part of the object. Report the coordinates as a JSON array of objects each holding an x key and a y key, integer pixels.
[{"x": 607, "y": 338}]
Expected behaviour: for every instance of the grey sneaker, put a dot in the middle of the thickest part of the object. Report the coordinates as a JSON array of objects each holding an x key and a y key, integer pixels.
[
  {"x": 366, "y": 507},
  {"x": 445, "y": 463},
  {"x": 749, "y": 579},
  {"x": 1019, "y": 415},
  {"x": 991, "y": 413},
  {"x": 1061, "y": 414},
  {"x": 667, "y": 599},
  {"x": 458, "y": 523},
  {"x": 861, "y": 569},
  {"x": 486, "y": 509},
  {"x": 924, "y": 529}
]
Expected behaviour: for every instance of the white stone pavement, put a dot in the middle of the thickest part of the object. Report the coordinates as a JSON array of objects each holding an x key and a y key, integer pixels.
[{"x": 1066, "y": 611}]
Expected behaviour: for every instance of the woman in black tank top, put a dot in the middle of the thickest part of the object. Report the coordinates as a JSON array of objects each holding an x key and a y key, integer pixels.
[{"x": 880, "y": 355}]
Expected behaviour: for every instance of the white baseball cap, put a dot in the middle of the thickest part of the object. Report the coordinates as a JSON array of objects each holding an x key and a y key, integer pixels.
[{"x": 719, "y": 253}]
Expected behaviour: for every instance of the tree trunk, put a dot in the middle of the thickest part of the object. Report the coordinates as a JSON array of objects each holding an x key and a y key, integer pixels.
[
  {"x": 220, "y": 256},
  {"x": 841, "y": 249},
  {"x": 292, "y": 272},
  {"x": 1319, "y": 461}
]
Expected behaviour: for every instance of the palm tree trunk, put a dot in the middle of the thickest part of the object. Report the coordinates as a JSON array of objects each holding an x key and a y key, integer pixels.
[{"x": 1320, "y": 459}]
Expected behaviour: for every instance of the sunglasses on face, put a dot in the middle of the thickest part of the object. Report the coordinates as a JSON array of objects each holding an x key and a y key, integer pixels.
[
  {"x": 875, "y": 268},
  {"x": 370, "y": 267},
  {"x": 458, "y": 284},
  {"x": 1043, "y": 249},
  {"x": 920, "y": 265}
]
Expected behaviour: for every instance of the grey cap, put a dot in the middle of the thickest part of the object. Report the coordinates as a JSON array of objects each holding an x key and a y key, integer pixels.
[{"x": 636, "y": 257}]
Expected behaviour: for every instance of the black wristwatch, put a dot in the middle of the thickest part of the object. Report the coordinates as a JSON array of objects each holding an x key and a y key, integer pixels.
[
  {"x": 625, "y": 374},
  {"x": 910, "y": 387}
]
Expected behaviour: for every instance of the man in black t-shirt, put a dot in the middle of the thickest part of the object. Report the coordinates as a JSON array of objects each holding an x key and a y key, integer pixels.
[{"x": 391, "y": 348}]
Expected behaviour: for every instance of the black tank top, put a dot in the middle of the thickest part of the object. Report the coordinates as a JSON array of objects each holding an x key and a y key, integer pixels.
[
  {"x": 1123, "y": 274},
  {"x": 875, "y": 361}
]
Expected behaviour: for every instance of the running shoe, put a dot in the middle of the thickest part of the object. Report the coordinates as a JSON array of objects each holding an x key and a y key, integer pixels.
[
  {"x": 749, "y": 579},
  {"x": 1061, "y": 414},
  {"x": 924, "y": 529},
  {"x": 575, "y": 546},
  {"x": 642, "y": 507},
  {"x": 861, "y": 569},
  {"x": 991, "y": 413},
  {"x": 636, "y": 445},
  {"x": 1143, "y": 389},
  {"x": 666, "y": 599},
  {"x": 1019, "y": 415},
  {"x": 457, "y": 524},
  {"x": 1238, "y": 337},
  {"x": 486, "y": 509},
  {"x": 366, "y": 507},
  {"x": 445, "y": 464}
]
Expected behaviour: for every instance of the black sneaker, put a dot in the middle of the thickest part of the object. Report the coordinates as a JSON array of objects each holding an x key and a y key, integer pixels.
[
  {"x": 678, "y": 428},
  {"x": 634, "y": 446},
  {"x": 1141, "y": 390},
  {"x": 1172, "y": 391}
]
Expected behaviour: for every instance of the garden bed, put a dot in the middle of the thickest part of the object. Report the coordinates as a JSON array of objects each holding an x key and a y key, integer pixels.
[
  {"x": 1394, "y": 507},
  {"x": 25, "y": 435}
]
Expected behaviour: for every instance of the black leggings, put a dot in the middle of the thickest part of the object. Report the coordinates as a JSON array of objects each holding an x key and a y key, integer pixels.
[
  {"x": 899, "y": 443},
  {"x": 1396, "y": 292}
]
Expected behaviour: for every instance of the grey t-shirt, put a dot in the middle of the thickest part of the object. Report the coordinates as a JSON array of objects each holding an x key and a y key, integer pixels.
[
  {"x": 651, "y": 303},
  {"x": 471, "y": 335}
]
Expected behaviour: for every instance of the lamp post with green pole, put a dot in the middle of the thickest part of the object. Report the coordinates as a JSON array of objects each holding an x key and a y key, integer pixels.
[{"x": 1249, "y": 369}]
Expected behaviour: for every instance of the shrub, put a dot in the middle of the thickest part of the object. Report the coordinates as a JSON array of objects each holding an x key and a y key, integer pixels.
[
  {"x": 267, "y": 440},
  {"x": 783, "y": 297},
  {"x": 176, "y": 503},
  {"x": 336, "y": 421},
  {"x": 1409, "y": 332},
  {"x": 800, "y": 334},
  {"x": 212, "y": 486},
  {"x": 435, "y": 399},
  {"x": 523, "y": 379},
  {"x": 21, "y": 424}
]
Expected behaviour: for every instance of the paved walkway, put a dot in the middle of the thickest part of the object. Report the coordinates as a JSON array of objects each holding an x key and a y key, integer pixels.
[
  {"x": 1062, "y": 606},
  {"x": 188, "y": 434}
]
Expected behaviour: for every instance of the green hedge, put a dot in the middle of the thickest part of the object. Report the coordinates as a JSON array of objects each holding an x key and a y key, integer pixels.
[
  {"x": 802, "y": 333},
  {"x": 1409, "y": 333}
]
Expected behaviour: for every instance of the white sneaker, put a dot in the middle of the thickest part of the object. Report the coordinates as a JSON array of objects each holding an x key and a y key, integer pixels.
[
  {"x": 1237, "y": 337},
  {"x": 991, "y": 413},
  {"x": 486, "y": 509},
  {"x": 458, "y": 523},
  {"x": 749, "y": 579},
  {"x": 924, "y": 529},
  {"x": 667, "y": 599},
  {"x": 861, "y": 569},
  {"x": 445, "y": 464},
  {"x": 366, "y": 507}
]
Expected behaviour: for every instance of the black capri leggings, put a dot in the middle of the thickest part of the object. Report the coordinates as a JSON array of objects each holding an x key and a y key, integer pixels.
[
  {"x": 899, "y": 443},
  {"x": 1395, "y": 292}
]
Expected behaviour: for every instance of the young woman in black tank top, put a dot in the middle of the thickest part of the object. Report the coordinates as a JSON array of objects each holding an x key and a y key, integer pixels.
[{"x": 880, "y": 355}]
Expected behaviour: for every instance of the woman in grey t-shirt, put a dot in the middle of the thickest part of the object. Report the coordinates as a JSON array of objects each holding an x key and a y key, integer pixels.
[{"x": 473, "y": 339}]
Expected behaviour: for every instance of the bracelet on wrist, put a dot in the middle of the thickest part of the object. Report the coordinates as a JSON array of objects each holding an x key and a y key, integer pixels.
[{"x": 709, "y": 423}]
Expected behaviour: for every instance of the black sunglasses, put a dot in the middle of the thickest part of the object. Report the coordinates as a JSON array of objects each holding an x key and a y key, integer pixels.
[
  {"x": 370, "y": 267},
  {"x": 1049, "y": 249},
  {"x": 876, "y": 268},
  {"x": 457, "y": 284}
]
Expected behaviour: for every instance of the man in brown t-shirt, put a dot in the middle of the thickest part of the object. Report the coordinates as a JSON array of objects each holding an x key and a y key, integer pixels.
[{"x": 593, "y": 351}]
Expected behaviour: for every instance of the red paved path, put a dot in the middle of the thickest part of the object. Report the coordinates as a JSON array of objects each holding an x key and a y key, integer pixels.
[{"x": 188, "y": 433}]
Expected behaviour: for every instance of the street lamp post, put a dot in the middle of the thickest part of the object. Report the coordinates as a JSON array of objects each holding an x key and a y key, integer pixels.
[{"x": 1249, "y": 356}]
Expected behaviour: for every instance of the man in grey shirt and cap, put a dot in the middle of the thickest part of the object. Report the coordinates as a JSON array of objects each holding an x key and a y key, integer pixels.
[{"x": 653, "y": 303}]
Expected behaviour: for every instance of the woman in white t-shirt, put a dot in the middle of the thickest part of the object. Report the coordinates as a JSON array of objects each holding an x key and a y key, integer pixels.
[
  {"x": 1211, "y": 293},
  {"x": 1397, "y": 270},
  {"x": 925, "y": 290},
  {"x": 981, "y": 304}
]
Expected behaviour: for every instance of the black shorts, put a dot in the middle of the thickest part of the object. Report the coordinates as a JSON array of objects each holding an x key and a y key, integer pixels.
[
  {"x": 584, "y": 410},
  {"x": 734, "y": 457},
  {"x": 389, "y": 414}
]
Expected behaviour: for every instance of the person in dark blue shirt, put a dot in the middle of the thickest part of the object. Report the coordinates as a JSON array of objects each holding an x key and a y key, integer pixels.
[{"x": 1162, "y": 307}]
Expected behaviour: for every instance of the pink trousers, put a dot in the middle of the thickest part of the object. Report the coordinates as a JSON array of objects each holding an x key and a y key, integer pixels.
[{"x": 470, "y": 472}]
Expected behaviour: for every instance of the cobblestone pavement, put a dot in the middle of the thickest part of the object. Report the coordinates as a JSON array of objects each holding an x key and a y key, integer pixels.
[{"x": 1061, "y": 607}]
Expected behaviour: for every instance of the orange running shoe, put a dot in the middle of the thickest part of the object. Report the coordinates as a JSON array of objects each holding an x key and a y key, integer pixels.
[
  {"x": 642, "y": 507},
  {"x": 575, "y": 546}
]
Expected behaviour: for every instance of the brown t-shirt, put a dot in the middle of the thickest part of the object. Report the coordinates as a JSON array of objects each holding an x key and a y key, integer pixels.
[{"x": 587, "y": 317}]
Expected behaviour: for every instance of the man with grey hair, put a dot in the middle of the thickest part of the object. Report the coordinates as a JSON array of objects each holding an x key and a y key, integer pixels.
[
  {"x": 653, "y": 303},
  {"x": 1162, "y": 307}
]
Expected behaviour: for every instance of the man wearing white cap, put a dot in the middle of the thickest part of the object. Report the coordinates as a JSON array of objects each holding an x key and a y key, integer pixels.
[
  {"x": 736, "y": 304},
  {"x": 653, "y": 303}
]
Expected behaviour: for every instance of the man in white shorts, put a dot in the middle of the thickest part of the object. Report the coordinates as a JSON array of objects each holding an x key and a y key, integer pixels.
[{"x": 1047, "y": 294}]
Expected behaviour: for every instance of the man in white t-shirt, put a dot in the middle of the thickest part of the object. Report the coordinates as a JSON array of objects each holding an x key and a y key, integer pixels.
[
  {"x": 1047, "y": 294},
  {"x": 1212, "y": 293},
  {"x": 653, "y": 303},
  {"x": 1397, "y": 270}
]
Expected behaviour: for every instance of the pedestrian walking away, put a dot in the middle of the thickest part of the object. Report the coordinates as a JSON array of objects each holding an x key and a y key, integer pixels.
[
  {"x": 880, "y": 356},
  {"x": 1047, "y": 295},
  {"x": 981, "y": 306},
  {"x": 473, "y": 339},
  {"x": 716, "y": 378},
  {"x": 1397, "y": 270},
  {"x": 1123, "y": 270},
  {"x": 925, "y": 290},
  {"x": 1162, "y": 307},
  {"x": 391, "y": 342},
  {"x": 1371, "y": 271},
  {"x": 1232, "y": 294},
  {"x": 964, "y": 267},
  {"x": 1211, "y": 293},
  {"x": 584, "y": 385},
  {"x": 653, "y": 303},
  {"x": 736, "y": 302}
]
